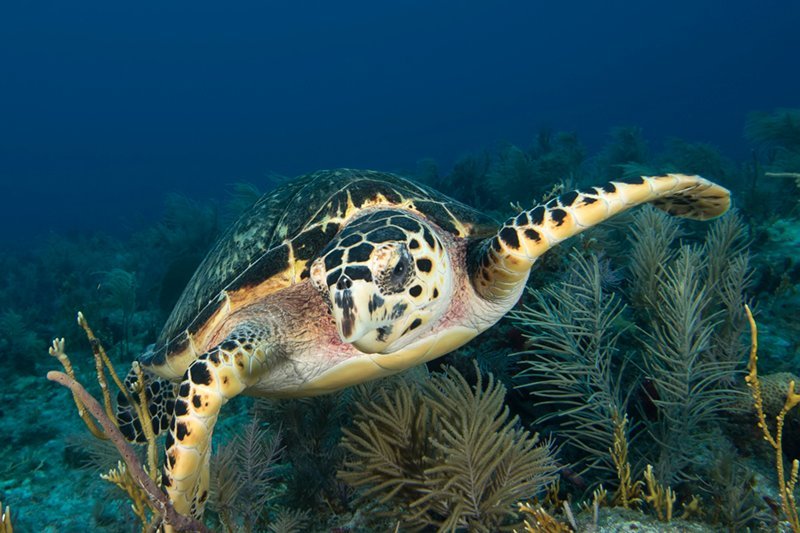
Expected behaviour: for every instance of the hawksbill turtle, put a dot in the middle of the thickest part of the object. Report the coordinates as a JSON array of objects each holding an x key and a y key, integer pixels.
[{"x": 344, "y": 276}]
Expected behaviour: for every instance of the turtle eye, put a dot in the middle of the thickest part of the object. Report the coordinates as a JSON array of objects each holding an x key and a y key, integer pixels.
[
  {"x": 397, "y": 278},
  {"x": 400, "y": 271}
]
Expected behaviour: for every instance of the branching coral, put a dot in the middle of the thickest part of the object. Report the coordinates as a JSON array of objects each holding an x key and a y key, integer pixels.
[
  {"x": 660, "y": 497},
  {"x": 17, "y": 341},
  {"x": 786, "y": 487},
  {"x": 310, "y": 432},
  {"x": 446, "y": 454},
  {"x": 142, "y": 483},
  {"x": 243, "y": 471},
  {"x": 5, "y": 519},
  {"x": 629, "y": 492},
  {"x": 652, "y": 235},
  {"x": 690, "y": 301},
  {"x": 552, "y": 158},
  {"x": 572, "y": 332},
  {"x": 289, "y": 521},
  {"x": 119, "y": 476},
  {"x": 687, "y": 385},
  {"x": 540, "y": 521},
  {"x": 626, "y": 146},
  {"x": 728, "y": 277},
  {"x": 781, "y": 128}
]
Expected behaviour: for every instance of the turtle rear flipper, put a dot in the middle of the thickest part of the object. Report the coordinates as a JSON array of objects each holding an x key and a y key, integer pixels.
[
  {"x": 502, "y": 263},
  {"x": 160, "y": 395}
]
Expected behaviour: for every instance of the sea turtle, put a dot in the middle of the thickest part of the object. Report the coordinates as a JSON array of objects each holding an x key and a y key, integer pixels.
[{"x": 344, "y": 276}]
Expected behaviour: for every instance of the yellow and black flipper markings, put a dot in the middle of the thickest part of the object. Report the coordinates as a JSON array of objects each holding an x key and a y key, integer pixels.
[
  {"x": 211, "y": 380},
  {"x": 160, "y": 397},
  {"x": 502, "y": 263}
]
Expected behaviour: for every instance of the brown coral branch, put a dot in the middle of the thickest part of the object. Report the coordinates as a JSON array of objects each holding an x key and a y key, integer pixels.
[
  {"x": 57, "y": 351},
  {"x": 660, "y": 497},
  {"x": 5, "y": 519},
  {"x": 157, "y": 497},
  {"x": 143, "y": 414},
  {"x": 628, "y": 494},
  {"x": 792, "y": 399}
]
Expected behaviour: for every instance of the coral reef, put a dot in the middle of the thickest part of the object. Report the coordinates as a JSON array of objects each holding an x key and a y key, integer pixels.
[{"x": 629, "y": 349}]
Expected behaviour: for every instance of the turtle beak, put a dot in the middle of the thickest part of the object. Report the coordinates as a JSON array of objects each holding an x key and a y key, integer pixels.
[{"x": 350, "y": 309}]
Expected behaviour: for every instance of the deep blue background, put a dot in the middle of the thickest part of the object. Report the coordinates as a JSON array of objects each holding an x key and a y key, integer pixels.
[{"x": 106, "y": 106}]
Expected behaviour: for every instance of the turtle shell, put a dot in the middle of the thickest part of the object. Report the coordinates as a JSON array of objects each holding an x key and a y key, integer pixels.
[{"x": 272, "y": 246}]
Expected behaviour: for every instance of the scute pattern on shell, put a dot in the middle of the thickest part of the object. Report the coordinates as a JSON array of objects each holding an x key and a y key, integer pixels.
[{"x": 288, "y": 227}]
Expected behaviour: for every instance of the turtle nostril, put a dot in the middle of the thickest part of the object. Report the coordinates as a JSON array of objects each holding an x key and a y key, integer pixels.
[{"x": 344, "y": 283}]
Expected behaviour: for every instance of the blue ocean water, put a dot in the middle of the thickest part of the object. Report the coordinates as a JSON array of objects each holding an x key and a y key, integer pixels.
[
  {"x": 113, "y": 107},
  {"x": 131, "y": 136}
]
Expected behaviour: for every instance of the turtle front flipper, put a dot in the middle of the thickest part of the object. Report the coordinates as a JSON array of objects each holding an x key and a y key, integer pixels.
[
  {"x": 214, "y": 378},
  {"x": 502, "y": 263}
]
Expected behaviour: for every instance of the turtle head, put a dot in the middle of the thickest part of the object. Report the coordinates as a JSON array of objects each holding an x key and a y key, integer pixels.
[{"x": 387, "y": 279}]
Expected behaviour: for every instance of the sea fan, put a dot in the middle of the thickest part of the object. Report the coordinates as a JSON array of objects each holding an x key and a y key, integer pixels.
[{"x": 446, "y": 454}]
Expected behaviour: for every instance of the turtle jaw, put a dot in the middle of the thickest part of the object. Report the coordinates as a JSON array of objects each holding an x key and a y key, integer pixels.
[
  {"x": 368, "y": 320},
  {"x": 351, "y": 312}
]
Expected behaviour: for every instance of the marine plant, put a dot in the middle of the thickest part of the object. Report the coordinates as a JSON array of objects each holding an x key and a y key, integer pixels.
[
  {"x": 683, "y": 323},
  {"x": 289, "y": 521},
  {"x": 140, "y": 482},
  {"x": 491, "y": 179},
  {"x": 730, "y": 486},
  {"x": 551, "y": 159},
  {"x": 467, "y": 182},
  {"x": 17, "y": 341},
  {"x": 626, "y": 146},
  {"x": 5, "y": 519},
  {"x": 697, "y": 158},
  {"x": 119, "y": 290},
  {"x": 572, "y": 362},
  {"x": 688, "y": 388},
  {"x": 729, "y": 276},
  {"x": 445, "y": 454},
  {"x": 652, "y": 236},
  {"x": 778, "y": 130},
  {"x": 776, "y": 136},
  {"x": 688, "y": 301},
  {"x": 242, "y": 473},
  {"x": 187, "y": 226},
  {"x": 785, "y": 486},
  {"x": 311, "y": 429},
  {"x": 242, "y": 196}
]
